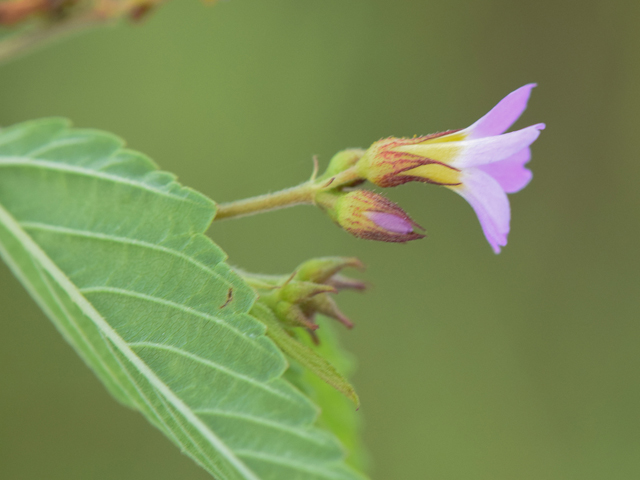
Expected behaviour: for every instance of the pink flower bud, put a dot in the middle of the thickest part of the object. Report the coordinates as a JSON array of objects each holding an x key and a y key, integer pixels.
[{"x": 371, "y": 216}]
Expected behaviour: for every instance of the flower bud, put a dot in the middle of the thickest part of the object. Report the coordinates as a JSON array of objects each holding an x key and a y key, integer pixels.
[
  {"x": 323, "y": 270},
  {"x": 292, "y": 315},
  {"x": 340, "y": 282},
  {"x": 368, "y": 215},
  {"x": 342, "y": 161},
  {"x": 325, "y": 305},
  {"x": 300, "y": 291}
]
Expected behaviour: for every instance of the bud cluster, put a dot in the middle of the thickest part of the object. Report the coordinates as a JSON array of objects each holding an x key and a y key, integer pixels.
[{"x": 297, "y": 299}]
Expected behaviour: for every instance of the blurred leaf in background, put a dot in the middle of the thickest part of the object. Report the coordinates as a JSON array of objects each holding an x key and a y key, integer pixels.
[{"x": 471, "y": 365}]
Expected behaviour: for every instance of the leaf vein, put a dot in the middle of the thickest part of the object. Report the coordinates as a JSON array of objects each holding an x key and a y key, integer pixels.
[
  {"x": 115, "y": 239},
  {"x": 298, "y": 432},
  {"x": 66, "y": 168},
  {"x": 209, "y": 363},
  {"x": 37, "y": 253},
  {"x": 168, "y": 303},
  {"x": 268, "y": 457}
]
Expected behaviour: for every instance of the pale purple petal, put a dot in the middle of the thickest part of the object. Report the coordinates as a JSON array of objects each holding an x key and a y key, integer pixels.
[
  {"x": 490, "y": 204},
  {"x": 503, "y": 115},
  {"x": 391, "y": 222},
  {"x": 493, "y": 149},
  {"x": 511, "y": 173}
]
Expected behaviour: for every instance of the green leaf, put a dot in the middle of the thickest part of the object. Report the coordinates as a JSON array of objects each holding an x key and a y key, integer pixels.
[
  {"x": 113, "y": 251},
  {"x": 305, "y": 355},
  {"x": 338, "y": 414}
]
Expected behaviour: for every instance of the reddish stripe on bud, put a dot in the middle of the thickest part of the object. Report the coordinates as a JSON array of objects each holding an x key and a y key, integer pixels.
[
  {"x": 371, "y": 216},
  {"x": 384, "y": 166}
]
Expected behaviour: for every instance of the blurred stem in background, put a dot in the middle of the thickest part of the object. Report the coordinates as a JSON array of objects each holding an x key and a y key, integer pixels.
[{"x": 39, "y": 22}]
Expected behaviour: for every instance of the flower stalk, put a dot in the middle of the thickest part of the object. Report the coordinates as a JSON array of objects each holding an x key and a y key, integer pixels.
[
  {"x": 340, "y": 173},
  {"x": 303, "y": 194}
]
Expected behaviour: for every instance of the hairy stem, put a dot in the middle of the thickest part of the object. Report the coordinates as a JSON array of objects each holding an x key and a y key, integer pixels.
[{"x": 300, "y": 195}]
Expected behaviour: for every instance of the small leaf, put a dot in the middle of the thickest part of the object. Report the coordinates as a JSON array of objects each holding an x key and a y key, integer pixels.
[
  {"x": 304, "y": 355},
  {"x": 337, "y": 413}
]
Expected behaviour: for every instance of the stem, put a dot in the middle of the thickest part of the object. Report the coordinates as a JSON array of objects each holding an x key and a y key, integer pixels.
[
  {"x": 22, "y": 43},
  {"x": 300, "y": 195},
  {"x": 303, "y": 194}
]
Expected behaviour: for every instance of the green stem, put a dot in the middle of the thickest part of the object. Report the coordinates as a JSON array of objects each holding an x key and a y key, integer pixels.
[{"x": 301, "y": 195}]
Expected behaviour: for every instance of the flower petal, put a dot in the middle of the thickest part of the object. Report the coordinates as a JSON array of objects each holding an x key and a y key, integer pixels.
[
  {"x": 493, "y": 149},
  {"x": 490, "y": 203},
  {"x": 390, "y": 222},
  {"x": 503, "y": 115},
  {"x": 511, "y": 173}
]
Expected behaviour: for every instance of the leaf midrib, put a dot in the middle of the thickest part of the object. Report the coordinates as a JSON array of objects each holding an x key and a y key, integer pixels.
[{"x": 61, "y": 279}]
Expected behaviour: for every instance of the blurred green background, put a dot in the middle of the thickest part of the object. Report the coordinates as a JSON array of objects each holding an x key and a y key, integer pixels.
[{"x": 471, "y": 365}]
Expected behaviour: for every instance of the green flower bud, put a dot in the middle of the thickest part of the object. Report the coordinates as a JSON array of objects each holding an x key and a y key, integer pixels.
[
  {"x": 321, "y": 270},
  {"x": 342, "y": 161}
]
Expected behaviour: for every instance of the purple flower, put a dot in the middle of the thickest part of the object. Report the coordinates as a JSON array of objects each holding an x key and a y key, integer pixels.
[{"x": 481, "y": 163}]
